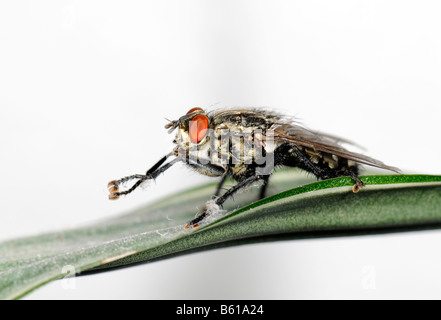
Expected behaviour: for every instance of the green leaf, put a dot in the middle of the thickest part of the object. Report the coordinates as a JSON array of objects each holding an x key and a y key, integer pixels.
[{"x": 326, "y": 208}]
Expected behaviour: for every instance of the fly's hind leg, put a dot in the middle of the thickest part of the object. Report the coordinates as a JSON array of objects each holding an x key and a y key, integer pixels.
[
  {"x": 358, "y": 182},
  {"x": 329, "y": 173}
]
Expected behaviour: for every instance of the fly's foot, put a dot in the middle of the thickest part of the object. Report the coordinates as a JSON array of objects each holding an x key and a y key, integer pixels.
[
  {"x": 113, "y": 190},
  {"x": 193, "y": 224},
  {"x": 358, "y": 185},
  {"x": 210, "y": 210}
]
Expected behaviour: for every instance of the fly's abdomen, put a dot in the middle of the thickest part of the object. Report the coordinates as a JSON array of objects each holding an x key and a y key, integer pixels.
[{"x": 323, "y": 165}]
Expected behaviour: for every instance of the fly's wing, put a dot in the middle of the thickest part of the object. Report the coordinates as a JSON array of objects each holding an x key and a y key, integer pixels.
[{"x": 325, "y": 143}]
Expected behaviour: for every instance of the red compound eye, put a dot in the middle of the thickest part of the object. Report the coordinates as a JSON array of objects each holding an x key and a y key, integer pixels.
[
  {"x": 198, "y": 128},
  {"x": 194, "y": 110}
]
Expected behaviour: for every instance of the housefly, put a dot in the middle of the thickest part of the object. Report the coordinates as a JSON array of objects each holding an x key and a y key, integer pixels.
[{"x": 247, "y": 145}]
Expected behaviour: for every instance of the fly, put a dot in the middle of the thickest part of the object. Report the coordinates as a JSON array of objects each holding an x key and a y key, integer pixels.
[{"x": 247, "y": 145}]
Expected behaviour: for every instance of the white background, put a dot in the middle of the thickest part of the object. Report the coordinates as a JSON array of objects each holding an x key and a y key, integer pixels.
[{"x": 85, "y": 87}]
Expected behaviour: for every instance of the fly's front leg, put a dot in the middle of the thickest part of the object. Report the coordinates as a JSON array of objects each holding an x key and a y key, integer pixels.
[
  {"x": 152, "y": 173},
  {"x": 214, "y": 205}
]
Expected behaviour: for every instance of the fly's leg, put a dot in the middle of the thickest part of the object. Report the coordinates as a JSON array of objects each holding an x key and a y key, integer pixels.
[
  {"x": 215, "y": 204},
  {"x": 317, "y": 171},
  {"x": 152, "y": 173},
  {"x": 358, "y": 183},
  {"x": 220, "y": 185},
  {"x": 207, "y": 209},
  {"x": 209, "y": 206},
  {"x": 264, "y": 187},
  {"x": 327, "y": 174}
]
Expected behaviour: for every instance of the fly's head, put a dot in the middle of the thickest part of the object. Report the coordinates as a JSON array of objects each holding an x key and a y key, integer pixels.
[
  {"x": 227, "y": 140},
  {"x": 192, "y": 133}
]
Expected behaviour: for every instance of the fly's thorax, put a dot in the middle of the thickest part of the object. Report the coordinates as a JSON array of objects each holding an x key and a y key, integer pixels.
[{"x": 227, "y": 145}]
